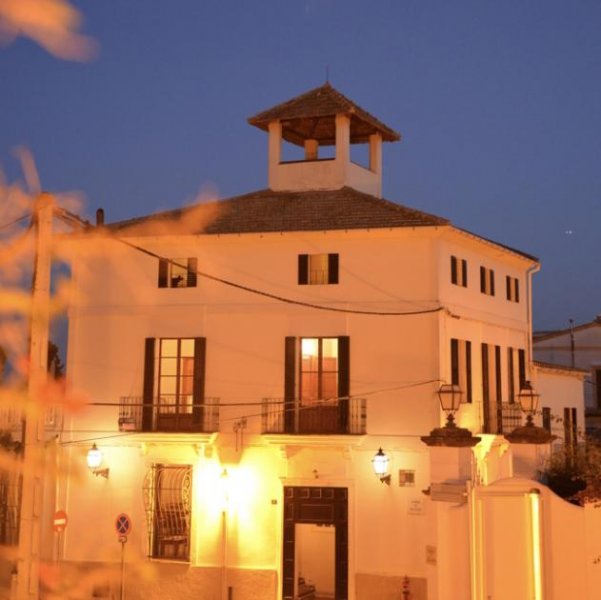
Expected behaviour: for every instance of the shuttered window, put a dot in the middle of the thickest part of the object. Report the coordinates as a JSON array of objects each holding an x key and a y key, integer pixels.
[
  {"x": 461, "y": 367},
  {"x": 491, "y": 389},
  {"x": 487, "y": 281},
  {"x": 459, "y": 271},
  {"x": 174, "y": 375},
  {"x": 317, "y": 269},
  {"x": 513, "y": 288},
  {"x": 168, "y": 505},
  {"x": 178, "y": 272},
  {"x": 317, "y": 376}
]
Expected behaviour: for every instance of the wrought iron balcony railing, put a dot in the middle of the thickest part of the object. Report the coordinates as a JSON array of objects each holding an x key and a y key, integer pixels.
[
  {"x": 346, "y": 416},
  {"x": 504, "y": 418},
  {"x": 168, "y": 414}
]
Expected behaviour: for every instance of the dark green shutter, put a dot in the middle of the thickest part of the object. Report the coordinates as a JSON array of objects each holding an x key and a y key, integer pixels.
[
  {"x": 483, "y": 280},
  {"x": 148, "y": 389},
  {"x": 522, "y": 366},
  {"x": 289, "y": 383},
  {"x": 198, "y": 384},
  {"x": 191, "y": 275},
  {"x": 498, "y": 390},
  {"x": 468, "y": 370},
  {"x": 303, "y": 269},
  {"x": 517, "y": 290},
  {"x": 455, "y": 361},
  {"x": 492, "y": 282},
  {"x": 344, "y": 382},
  {"x": 453, "y": 270},
  {"x": 508, "y": 283},
  {"x": 485, "y": 390},
  {"x": 464, "y": 272},
  {"x": 163, "y": 268},
  {"x": 332, "y": 268}
]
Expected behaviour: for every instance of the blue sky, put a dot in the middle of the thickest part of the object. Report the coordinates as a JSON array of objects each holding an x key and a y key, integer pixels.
[{"x": 498, "y": 105}]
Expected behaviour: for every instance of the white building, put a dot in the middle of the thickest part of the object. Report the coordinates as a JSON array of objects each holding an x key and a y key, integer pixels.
[
  {"x": 577, "y": 347},
  {"x": 246, "y": 359}
]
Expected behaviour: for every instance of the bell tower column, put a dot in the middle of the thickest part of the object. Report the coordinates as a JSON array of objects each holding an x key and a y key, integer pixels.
[
  {"x": 275, "y": 151},
  {"x": 343, "y": 147}
]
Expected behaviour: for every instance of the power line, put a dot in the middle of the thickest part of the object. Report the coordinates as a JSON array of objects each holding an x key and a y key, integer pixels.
[
  {"x": 285, "y": 409},
  {"x": 276, "y": 296},
  {"x": 15, "y": 221}
]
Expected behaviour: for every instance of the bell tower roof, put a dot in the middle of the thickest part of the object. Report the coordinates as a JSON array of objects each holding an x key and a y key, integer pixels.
[
  {"x": 312, "y": 116},
  {"x": 318, "y": 118}
]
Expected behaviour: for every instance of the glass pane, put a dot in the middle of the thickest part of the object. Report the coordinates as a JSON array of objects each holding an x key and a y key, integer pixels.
[
  {"x": 187, "y": 347},
  {"x": 167, "y": 386},
  {"x": 185, "y": 387},
  {"x": 309, "y": 388},
  {"x": 309, "y": 354},
  {"x": 329, "y": 386},
  {"x": 168, "y": 347},
  {"x": 318, "y": 268},
  {"x": 169, "y": 366},
  {"x": 187, "y": 367},
  {"x": 179, "y": 272}
]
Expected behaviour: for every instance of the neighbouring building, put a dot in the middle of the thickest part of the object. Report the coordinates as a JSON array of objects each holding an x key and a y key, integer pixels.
[
  {"x": 248, "y": 361},
  {"x": 579, "y": 347}
]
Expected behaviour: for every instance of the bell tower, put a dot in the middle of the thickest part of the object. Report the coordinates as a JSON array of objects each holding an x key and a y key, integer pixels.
[{"x": 318, "y": 118}]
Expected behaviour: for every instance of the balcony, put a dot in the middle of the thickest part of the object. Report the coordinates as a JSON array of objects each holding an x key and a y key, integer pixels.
[
  {"x": 165, "y": 415},
  {"x": 504, "y": 418},
  {"x": 345, "y": 416}
]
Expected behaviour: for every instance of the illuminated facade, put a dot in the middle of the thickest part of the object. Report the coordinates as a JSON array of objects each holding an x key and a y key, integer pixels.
[{"x": 246, "y": 359}]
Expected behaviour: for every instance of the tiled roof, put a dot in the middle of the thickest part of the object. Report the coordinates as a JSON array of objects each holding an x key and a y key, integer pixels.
[
  {"x": 557, "y": 367},
  {"x": 539, "y": 336},
  {"x": 268, "y": 211},
  {"x": 311, "y": 116}
]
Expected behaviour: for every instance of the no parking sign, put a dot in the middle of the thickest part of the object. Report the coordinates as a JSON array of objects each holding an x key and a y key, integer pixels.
[{"x": 123, "y": 526}]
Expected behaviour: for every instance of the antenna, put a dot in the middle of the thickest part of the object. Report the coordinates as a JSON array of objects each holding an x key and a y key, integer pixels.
[{"x": 327, "y": 73}]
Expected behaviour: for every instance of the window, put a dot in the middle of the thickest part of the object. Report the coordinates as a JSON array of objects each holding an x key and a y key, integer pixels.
[
  {"x": 168, "y": 502},
  {"x": 547, "y": 418},
  {"x": 597, "y": 387},
  {"x": 317, "y": 269},
  {"x": 516, "y": 373},
  {"x": 492, "y": 400},
  {"x": 173, "y": 394},
  {"x": 177, "y": 272},
  {"x": 318, "y": 401},
  {"x": 461, "y": 367},
  {"x": 459, "y": 271},
  {"x": 487, "y": 281},
  {"x": 570, "y": 432},
  {"x": 513, "y": 289}
]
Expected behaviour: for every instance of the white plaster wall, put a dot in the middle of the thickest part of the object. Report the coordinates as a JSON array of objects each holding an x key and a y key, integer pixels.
[
  {"x": 396, "y": 364},
  {"x": 558, "y": 390}
]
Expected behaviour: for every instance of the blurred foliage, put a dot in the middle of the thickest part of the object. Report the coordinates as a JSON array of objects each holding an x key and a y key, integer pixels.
[{"x": 575, "y": 473}]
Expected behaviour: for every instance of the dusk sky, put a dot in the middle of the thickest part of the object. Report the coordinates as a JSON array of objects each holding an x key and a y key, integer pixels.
[{"x": 498, "y": 105}]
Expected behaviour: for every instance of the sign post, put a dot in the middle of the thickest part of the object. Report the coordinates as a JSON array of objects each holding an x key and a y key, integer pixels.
[
  {"x": 59, "y": 522},
  {"x": 123, "y": 529}
]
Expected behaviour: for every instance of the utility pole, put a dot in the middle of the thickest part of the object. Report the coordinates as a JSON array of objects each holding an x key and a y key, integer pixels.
[{"x": 28, "y": 557}]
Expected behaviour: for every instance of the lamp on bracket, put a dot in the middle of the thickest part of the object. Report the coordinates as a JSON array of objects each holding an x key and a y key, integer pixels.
[
  {"x": 381, "y": 465},
  {"x": 94, "y": 459},
  {"x": 449, "y": 395},
  {"x": 528, "y": 398}
]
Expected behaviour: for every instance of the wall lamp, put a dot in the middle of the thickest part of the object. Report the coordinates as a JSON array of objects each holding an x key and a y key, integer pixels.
[
  {"x": 449, "y": 395},
  {"x": 94, "y": 460},
  {"x": 381, "y": 465},
  {"x": 528, "y": 398}
]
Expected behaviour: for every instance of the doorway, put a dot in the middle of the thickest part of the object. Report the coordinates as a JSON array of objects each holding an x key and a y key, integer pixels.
[{"x": 312, "y": 514}]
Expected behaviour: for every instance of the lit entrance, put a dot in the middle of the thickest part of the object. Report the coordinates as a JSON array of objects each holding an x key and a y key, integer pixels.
[{"x": 315, "y": 552}]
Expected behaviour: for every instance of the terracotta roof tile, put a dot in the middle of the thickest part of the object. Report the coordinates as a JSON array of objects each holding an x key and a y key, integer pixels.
[
  {"x": 311, "y": 116},
  {"x": 268, "y": 211}
]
